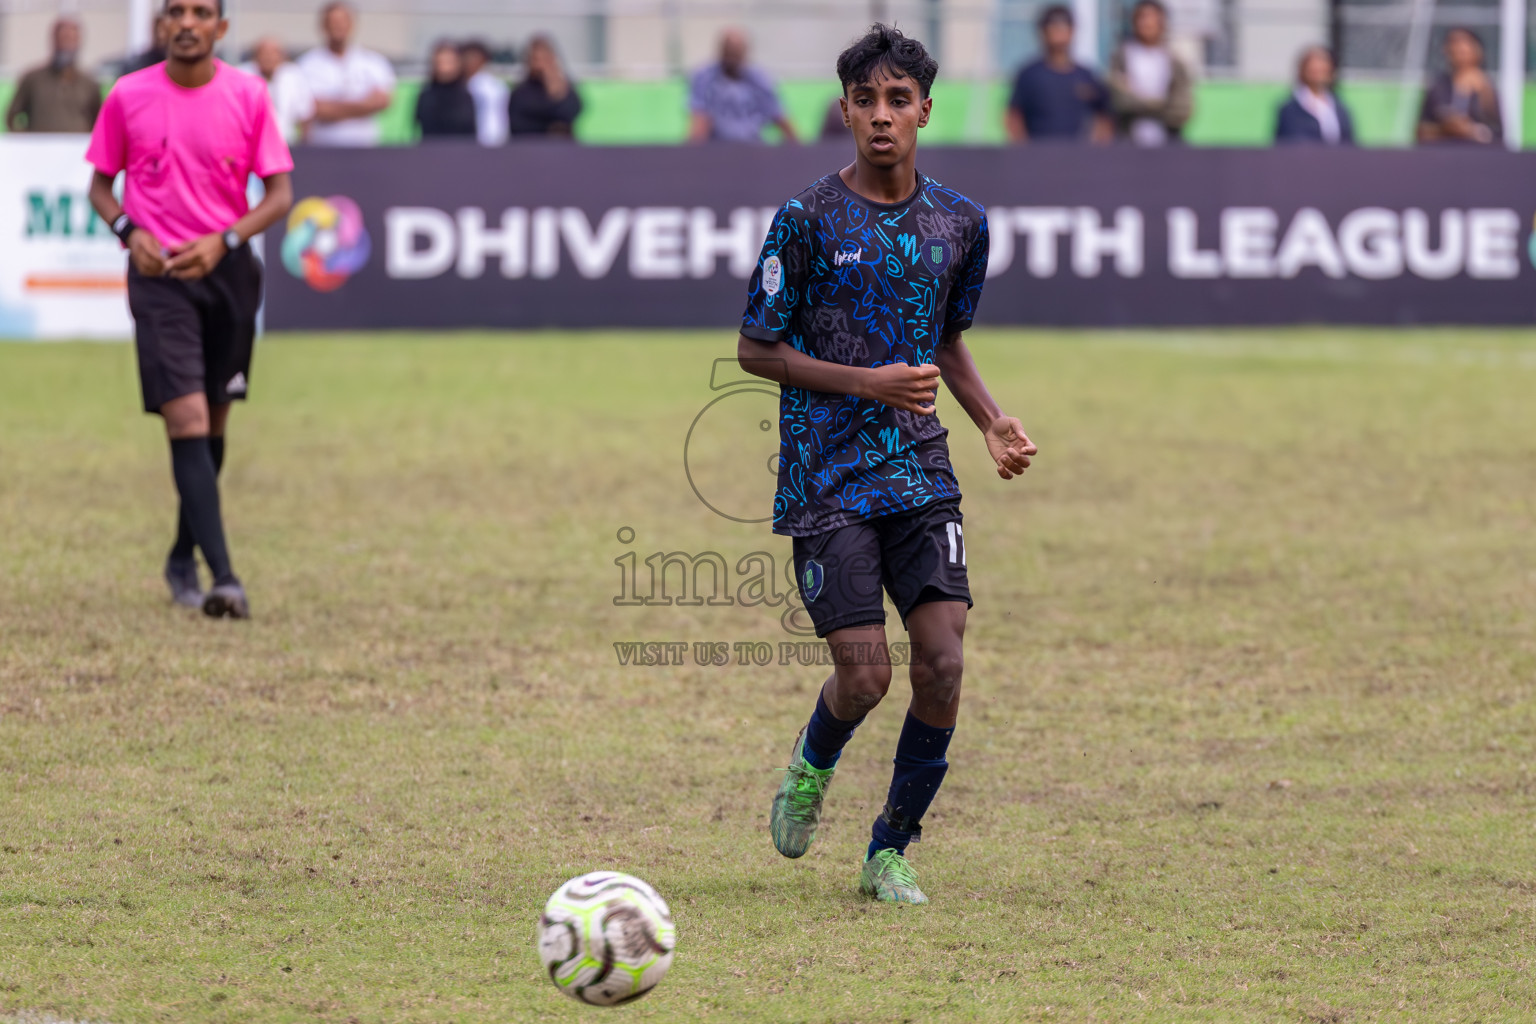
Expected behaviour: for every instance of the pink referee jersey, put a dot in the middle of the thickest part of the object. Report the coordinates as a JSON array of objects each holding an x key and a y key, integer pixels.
[{"x": 188, "y": 152}]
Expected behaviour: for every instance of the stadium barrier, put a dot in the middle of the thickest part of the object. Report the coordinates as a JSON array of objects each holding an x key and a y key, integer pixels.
[{"x": 561, "y": 236}]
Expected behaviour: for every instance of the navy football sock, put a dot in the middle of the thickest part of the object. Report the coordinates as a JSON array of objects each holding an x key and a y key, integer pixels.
[
  {"x": 826, "y": 736},
  {"x": 185, "y": 543},
  {"x": 920, "y": 768}
]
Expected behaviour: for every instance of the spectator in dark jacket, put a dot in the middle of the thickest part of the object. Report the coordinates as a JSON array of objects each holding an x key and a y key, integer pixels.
[
  {"x": 1460, "y": 105},
  {"x": 57, "y": 97},
  {"x": 834, "y": 127},
  {"x": 445, "y": 109},
  {"x": 160, "y": 34},
  {"x": 545, "y": 102},
  {"x": 1314, "y": 113},
  {"x": 1055, "y": 97}
]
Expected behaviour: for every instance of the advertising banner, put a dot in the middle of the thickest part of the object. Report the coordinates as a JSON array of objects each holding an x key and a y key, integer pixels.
[
  {"x": 558, "y": 235},
  {"x": 62, "y": 271}
]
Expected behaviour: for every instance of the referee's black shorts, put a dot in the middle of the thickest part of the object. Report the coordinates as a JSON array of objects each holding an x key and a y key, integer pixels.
[{"x": 197, "y": 335}]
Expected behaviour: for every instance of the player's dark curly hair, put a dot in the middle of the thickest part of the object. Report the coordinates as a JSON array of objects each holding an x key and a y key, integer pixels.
[{"x": 885, "y": 51}]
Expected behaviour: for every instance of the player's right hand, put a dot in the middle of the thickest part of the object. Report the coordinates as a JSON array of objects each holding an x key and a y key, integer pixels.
[
  {"x": 144, "y": 250},
  {"x": 904, "y": 387}
]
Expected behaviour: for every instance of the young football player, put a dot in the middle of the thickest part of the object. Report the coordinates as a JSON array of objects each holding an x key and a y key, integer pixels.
[{"x": 864, "y": 287}]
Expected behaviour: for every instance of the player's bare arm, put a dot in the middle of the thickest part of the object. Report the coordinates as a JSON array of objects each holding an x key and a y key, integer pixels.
[
  {"x": 897, "y": 385},
  {"x": 143, "y": 246},
  {"x": 1010, "y": 447},
  {"x": 192, "y": 260}
]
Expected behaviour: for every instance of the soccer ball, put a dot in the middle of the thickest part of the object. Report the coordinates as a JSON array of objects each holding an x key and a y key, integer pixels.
[{"x": 606, "y": 938}]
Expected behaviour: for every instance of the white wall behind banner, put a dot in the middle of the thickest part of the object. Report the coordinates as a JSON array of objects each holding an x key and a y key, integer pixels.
[{"x": 62, "y": 272}]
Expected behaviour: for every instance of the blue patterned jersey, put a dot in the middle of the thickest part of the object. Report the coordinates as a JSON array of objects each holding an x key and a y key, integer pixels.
[{"x": 863, "y": 284}]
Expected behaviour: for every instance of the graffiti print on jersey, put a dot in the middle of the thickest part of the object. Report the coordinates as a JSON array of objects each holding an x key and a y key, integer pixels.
[{"x": 863, "y": 284}]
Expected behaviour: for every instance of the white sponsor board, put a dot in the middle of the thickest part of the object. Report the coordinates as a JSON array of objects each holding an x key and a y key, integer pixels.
[{"x": 62, "y": 272}]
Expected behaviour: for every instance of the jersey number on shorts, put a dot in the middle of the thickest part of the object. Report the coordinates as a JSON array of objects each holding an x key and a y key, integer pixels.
[{"x": 956, "y": 543}]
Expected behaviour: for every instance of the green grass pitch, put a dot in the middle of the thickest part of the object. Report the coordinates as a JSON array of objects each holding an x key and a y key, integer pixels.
[{"x": 1248, "y": 735}]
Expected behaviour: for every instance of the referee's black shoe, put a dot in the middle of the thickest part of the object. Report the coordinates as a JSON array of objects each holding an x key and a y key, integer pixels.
[
  {"x": 227, "y": 600},
  {"x": 181, "y": 577}
]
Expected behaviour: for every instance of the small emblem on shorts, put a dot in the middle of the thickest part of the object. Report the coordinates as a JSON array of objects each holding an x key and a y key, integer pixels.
[
  {"x": 936, "y": 254},
  {"x": 811, "y": 580},
  {"x": 773, "y": 276},
  {"x": 236, "y": 385}
]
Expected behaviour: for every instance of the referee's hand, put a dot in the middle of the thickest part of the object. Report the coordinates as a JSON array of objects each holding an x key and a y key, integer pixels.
[
  {"x": 197, "y": 258},
  {"x": 144, "y": 251}
]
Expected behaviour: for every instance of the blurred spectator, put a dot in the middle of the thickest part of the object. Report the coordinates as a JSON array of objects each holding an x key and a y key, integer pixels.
[
  {"x": 1460, "y": 105},
  {"x": 1314, "y": 113},
  {"x": 351, "y": 85},
  {"x": 57, "y": 97},
  {"x": 1150, "y": 89},
  {"x": 545, "y": 102},
  {"x": 292, "y": 102},
  {"x": 160, "y": 33},
  {"x": 834, "y": 128},
  {"x": 490, "y": 93},
  {"x": 732, "y": 101},
  {"x": 1055, "y": 97},
  {"x": 444, "y": 108}
]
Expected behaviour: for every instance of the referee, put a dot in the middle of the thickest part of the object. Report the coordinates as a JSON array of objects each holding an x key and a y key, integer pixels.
[{"x": 189, "y": 133}]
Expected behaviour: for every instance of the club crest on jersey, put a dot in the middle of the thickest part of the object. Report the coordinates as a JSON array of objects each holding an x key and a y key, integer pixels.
[
  {"x": 811, "y": 580},
  {"x": 936, "y": 254},
  {"x": 773, "y": 276}
]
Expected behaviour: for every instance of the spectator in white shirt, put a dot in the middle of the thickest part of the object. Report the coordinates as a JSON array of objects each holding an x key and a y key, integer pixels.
[
  {"x": 490, "y": 94},
  {"x": 351, "y": 85},
  {"x": 292, "y": 101},
  {"x": 1150, "y": 90}
]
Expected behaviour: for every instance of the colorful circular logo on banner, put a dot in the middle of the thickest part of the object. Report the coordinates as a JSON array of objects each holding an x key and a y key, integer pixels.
[{"x": 326, "y": 242}]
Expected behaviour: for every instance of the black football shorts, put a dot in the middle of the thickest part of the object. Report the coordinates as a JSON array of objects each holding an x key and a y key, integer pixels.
[
  {"x": 916, "y": 556},
  {"x": 197, "y": 335}
]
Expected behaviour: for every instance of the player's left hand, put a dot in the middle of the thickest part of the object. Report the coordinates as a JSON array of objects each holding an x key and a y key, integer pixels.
[
  {"x": 1010, "y": 447},
  {"x": 197, "y": 258}
]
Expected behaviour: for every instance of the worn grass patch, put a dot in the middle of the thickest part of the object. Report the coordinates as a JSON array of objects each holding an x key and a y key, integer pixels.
[{"x": 1248, "y": 736}]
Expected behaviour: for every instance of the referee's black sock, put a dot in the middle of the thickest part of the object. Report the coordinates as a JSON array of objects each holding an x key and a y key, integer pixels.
[
  {"x": 197, "y": 480},
  {"x": 185, "y": 545}
]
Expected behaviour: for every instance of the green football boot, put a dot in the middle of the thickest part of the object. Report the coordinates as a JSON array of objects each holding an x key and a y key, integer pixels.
[
  {"x": 797, "y": 805},
  {"x": 889, "y": 878}
]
